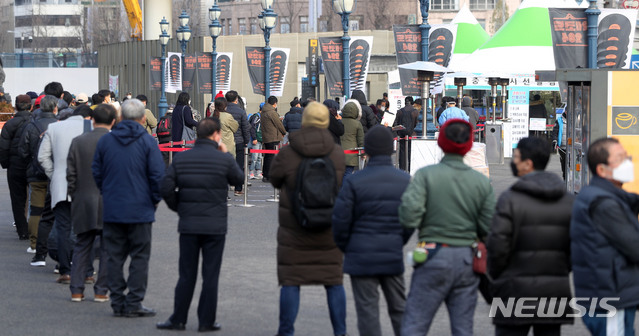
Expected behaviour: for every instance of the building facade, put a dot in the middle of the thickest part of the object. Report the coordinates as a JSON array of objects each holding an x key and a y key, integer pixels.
[{"x": 48, "y": 26}]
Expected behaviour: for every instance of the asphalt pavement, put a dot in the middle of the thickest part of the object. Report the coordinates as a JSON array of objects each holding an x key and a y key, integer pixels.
[{"x": 33, "y": 303}]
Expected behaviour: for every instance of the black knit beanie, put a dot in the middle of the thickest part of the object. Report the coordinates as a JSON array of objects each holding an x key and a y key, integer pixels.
[{"x": 378, "y": 141}]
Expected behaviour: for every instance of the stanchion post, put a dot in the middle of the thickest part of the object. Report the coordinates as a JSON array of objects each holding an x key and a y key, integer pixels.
[
  {"x": 171, "y": 152},
  {"x": 245, "y": 205},
  {"x": 406, "y": 154},
  {"x": 360, "y": 163}
]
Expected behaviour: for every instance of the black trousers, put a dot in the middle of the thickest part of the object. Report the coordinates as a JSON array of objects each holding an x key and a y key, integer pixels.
[
  {"x": 121, "y": 241},
  {"x": 404, "y": 156},
  {"x": 239, "y": 158},
  {"x": 212, "y": 247},
  {"x": 17, "y": 180},
  {"x": 82, "y": 266},
  {"x": 44, "y": 228},
  {"x": 268, "y": 158},
  {"x": 562, "y": 160}
]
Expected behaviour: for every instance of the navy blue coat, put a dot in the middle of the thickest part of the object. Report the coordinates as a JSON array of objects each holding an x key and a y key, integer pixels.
[
  {"x": 605, "y": 261},
  {"x": 293, "y": 119},
  {"x": 243, "y": 133},
  {"x": 366, "y": 220},
  {"x": 128, "y": 168},
  {"x": 196, "y": 185},
  {"x": 182, "y": 114}
]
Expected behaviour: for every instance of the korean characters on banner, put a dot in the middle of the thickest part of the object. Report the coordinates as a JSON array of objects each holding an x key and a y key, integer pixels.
[
  {"x": 155, "y": 74},
  {"x": 223, "y": 73},
  {"x": 188, "y": 73},
  {"x": 518, "y": 114},
  {"x": 332, "y": 58},
  {"x": 279, "y": 63}
]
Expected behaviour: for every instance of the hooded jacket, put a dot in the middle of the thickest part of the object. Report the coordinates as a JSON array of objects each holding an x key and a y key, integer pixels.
[
  {"x": 10, "y": 139},
  {"x": 293, "y": 119},
  {"x": 128, "y": 168},
  {"x": 305, "y": 257},
  {"x": 529, "y": 244},
  {"x": 353, "y": 131},
  {"x": 368, "y": 118},
  {"x": 473, "y": 115}
]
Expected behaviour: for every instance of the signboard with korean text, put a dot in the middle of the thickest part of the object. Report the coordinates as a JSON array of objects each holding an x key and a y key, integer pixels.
[
  {"x": 155, "y": 73},
  {"x": 188, "y": 75},
  {"x": 408, "y": 40},
  {"x": 279, "y": 63},
  {"x": 569, "y": 29},
  {"x": 332, "y": 58}
]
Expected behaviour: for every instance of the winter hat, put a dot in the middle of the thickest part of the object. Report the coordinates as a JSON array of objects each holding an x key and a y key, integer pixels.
[
  {"x": 378, "y": 141},
  {"x": 37, "y": 101},
  {"x": 315, "y": 115},
  {"x": 82, "y": 98},
  {"x": 32, "y": 95},
  {"x": 454, "y": 141},
  {"x": 22, "y": 99},
  {"x": 219, "y": 95}
]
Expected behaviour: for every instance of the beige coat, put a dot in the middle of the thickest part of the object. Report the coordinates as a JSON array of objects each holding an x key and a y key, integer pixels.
[{"x": 229, "y": 126}]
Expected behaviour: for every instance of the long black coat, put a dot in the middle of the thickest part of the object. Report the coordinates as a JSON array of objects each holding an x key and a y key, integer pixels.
[
  {"x": 529, "y": 245},
  {"x": 86, "y": 205},
  {"x": 196, "y": 185},
  {"x": 10, "y": 138}
]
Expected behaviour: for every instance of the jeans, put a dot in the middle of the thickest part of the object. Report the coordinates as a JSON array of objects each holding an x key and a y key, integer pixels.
[
  {"x": 256, "y": 158},
  {"x": 290, "y": 304},
  {"x": 624, "y": 319},
  {"x": 268, "y": 158},
  {"x": 446, "y": 277},
  {"x": 366, "y": 295},
  {"x": 62, "y": 225}
]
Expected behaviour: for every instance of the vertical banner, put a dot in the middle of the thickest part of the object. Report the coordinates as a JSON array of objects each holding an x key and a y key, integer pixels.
[
  {"x": 279, "y": 62},
  {"x": 616, "y": 35},
  {"x": 188, "y": 75},
  {"x": 360, "y": 57},
  {"x": 155, "y": 74},
  {"x": 408, "y": 39},
  {"x": 331, "y": 49},
  {"x": 441, "y": 40},
  {"x": 114, "y": 84},
  {"x": 569, "y": 29},
  {"x": 203, "y": 72},
  {"x": 223, "y": 73},
  {"x": 174, "y": 72},
  {"x": 255, "y": 63}
]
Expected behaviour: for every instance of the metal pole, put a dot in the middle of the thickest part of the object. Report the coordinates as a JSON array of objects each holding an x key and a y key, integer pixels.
[
  {"x": 503, "y": 102},
  {"x": 245, "y": 205},
  {"x": 214, "y": 69},
  {"x": 346, "y": 55},
  {"x": 592, "y": 13},
  {"x": 267, "y": 64},
  {"x": 407, "y": 139},
  {"x": 171, "y": 153},
  {"x": 425, "y": 28},
  {"x": 163, "y": 106},
  {"x": 425, "y": 97}
]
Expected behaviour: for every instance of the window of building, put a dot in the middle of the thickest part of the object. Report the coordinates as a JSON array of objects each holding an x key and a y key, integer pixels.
[
  {"x": 482, "y": 23},
  {"x": 303, "y": 24},
  {"x": 285, "y": 25},
  {"x": 255, "y": 27},
  {"x": 242, "y": 26},
  {"x": 230, "y": 23},
  {"x": 354, "y": 22},
  {"x": 444, "y": 4},
  {"x": 323, "y": 26},
  {"x": 482, "y": 4},
  {"x": 223, "y": 24}
]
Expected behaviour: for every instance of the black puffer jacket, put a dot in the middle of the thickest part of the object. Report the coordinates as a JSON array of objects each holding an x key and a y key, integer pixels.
[
  {"x": 293, "y": 119},
  {"x": 10, "y": 138},
  {"x": 529, "y": 245},
  {"x": 243, "y": 133},
  {"x": 28, "y": 146},
  {"x": 196, "y": 185},
  {"x": 368, "y": 119}
]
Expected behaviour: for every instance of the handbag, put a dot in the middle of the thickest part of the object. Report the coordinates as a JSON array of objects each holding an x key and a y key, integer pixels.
[
  {"x": 188, "y": 134},
  {"x": 479, "y": 257}
]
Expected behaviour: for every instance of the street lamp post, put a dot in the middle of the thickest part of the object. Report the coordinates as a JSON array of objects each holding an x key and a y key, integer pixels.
[
  {"x": 344, "y": 8},
  {"x": 267, "y": 20},
  {"x": 424, "y": 28},
  {"x": 214, "y": 28},
  {"x": 164, "y": 40},
  {"x": 183, "y": 34},
  {"x": 592, "y": 13}
]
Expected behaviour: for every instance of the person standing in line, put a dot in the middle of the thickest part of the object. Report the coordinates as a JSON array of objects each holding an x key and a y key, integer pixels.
[
  {"x": 451, "y": 205},
  {"x": 273, "y": 132},
  {"x": 529, "y": 243},
  {"x": 228, "y": 125},
  {"x": 195, "y": 186},
  {"x": 182, "y": 117},
  {"x": 406, "y": 116},
  {"x": 306, "y": 257},
  {"x": 255, "y": 121},
  {"x": 151, "y": 121},
  {"x": 335, "y": 125},
  {"x": 293, "y": 119},
  {"x": 559, "y": 136},
  {"x": 604, "y": 231},
  {"x": 353, "y": 133},
  {"x": 243, "y": 135},
  {"x": 365, "y": 217},
  {"x": 128, "y": 168},
  {"x": 368, "y": 118},
  {"x": 86, "y": 206}
]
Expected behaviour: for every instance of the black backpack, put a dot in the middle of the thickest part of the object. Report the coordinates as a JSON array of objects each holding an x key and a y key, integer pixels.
[
  {"x": 164, "y": 129},
  {"x": 315, "y": 192},
  {"x": 37, "y": 167}
]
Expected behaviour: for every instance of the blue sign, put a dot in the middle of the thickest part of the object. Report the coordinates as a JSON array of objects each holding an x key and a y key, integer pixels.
[{"x": 634, "y": 61}]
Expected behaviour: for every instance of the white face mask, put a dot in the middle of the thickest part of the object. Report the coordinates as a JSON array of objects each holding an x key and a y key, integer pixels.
[
  {"x": 382, "y": 108},
  {"x": 625, "y": 172},
  {"x": 128, "y": 97}
]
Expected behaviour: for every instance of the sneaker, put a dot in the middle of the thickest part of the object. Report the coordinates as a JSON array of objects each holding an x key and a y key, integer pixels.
[
  {"x": 64, "y": 279},
  {"x": 252, "y": 176},
  {"x": 39, "y": 261},
  {"x": 239, "y": 193},
  {"x": 56, "y": 270},
  {"x": 30, "y": 250},
  {"x": 77, "y": 297},
  {"x": 101, "y": 298},
  {"x": 89, "y": 280}
]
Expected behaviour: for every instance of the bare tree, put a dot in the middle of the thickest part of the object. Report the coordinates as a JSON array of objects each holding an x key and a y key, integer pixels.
[
  {"x": 500, "y": 15},
  {"x": 291, "y": 9},
  {"x": 194, "y": 10},
  {"x": 104, "y": 24},
  {"x": 380, "y": 13}
]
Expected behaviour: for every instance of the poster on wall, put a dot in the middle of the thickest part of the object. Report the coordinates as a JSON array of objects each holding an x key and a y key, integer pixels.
[
  {"x": 360, "y": 58},
  {"x": 408, "y": 39},
  {"x": 223, "y": 73},
  {"x": 188, "y": 75},
  {"x": 615, "y": 38},
  {"x": 173, "y": 72},
  {"x": 114, "y": 84},
  {"x": 203, "y": 72},
  {"x": 155, "y": 74},
  {"x": 518, "y": 113},
  {"x": 279, "y": 62},
  {"x": 332, "y": 59},
  {"x": 441, "y": 40},
  {"x": 569, "y": 29}
]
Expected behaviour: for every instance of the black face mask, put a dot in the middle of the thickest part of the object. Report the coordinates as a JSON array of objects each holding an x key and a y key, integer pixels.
[{"x": 513, "y": 168}]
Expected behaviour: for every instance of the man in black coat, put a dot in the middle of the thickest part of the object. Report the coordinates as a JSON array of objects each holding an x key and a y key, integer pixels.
[
  {"x": 529, "y": 242},
  {"x": 368, "y": 119},
  {"x": 243, "y": 133},
  {"x": 293, "y": 119},
  {"x": 86, "y": 208},
  {"x": 195, "y": 186},
  {"x": 364, "y": 217},
  {"x": 407, "y": 117},
  {"x": 16, "y": 166}
]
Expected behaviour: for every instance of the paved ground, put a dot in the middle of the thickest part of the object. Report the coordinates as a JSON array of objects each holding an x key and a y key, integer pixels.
[{"x": 33, "y": 304}]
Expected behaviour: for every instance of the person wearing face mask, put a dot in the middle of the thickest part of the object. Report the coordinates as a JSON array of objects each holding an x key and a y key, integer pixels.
[
  {"x": 379, "y": 109},
  {"x": 535, "y": 209},
  {"x": 604, "y": 231}
]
